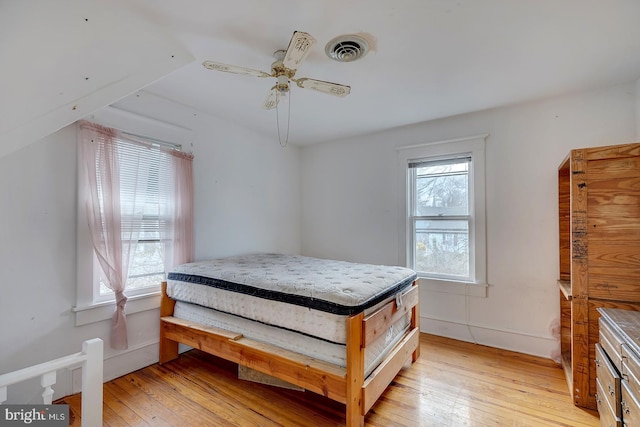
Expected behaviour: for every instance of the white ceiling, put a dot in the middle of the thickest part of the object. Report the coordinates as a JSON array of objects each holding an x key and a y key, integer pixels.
[{"x": 429, "y": 58}]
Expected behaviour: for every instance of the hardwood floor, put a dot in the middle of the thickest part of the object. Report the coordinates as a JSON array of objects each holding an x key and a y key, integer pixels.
[{"x": 453, "y": 383}]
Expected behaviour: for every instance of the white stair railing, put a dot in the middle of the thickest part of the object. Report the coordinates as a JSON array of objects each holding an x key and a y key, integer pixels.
[{"x": 91, "y": 358}]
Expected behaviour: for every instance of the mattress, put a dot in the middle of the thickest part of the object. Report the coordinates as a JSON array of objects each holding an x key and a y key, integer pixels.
[
  {"x": 308, "y": 296},
  {"x": 300, "y": 343}
]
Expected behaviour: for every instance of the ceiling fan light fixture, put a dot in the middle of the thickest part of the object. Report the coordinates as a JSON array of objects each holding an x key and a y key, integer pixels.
[
  {"x": 283, "y": 84},
  {"x": 284, "y": 69},
  {"x": 347, "y": 48}
]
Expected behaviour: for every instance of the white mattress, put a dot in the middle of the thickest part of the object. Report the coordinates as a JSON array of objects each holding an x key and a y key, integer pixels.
[
  {"x": 309, "y": 295},
  {"x": 294, "y": 341}
]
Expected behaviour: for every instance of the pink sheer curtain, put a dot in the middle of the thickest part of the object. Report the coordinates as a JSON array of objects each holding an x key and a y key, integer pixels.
[
  {"x": 177, "y": 233},
  {"x": 100, "y": 158},
  {"x": 115, "y": 209}
]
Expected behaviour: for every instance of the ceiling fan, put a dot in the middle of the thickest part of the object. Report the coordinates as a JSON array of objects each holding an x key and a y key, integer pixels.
[{"x": 284, "y": 69}]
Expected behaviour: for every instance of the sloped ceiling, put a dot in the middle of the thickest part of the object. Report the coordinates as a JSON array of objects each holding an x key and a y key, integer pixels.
[
  {"x": 428, "y": 59},
  {"x": 64, "y": 59}
]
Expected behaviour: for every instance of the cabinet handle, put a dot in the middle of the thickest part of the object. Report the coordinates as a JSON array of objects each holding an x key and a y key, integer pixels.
[
  {"x": 598, "y": 401},
  {"x": 597, "y": 362},
  {"x": 612, "y": 392}
]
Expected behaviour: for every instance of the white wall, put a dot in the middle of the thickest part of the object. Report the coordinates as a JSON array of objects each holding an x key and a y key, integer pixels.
[
  {"x": 247, "y": 195},
  {"x": 637, "y": 94},
  {"x": 350, "y": 208},
  {"x": 247, "y": 191},
  {"x": 247, "y": 199}
]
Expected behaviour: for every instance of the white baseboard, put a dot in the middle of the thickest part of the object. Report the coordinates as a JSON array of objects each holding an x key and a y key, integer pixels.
[
  {"x": 135, "y": 358},
  {"x": 517, "y": 341},
  {"x": 122, "y": 363}
]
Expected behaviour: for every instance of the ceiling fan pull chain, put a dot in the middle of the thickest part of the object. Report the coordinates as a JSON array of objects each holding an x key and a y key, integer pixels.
[{"x": 288, "y": 122}]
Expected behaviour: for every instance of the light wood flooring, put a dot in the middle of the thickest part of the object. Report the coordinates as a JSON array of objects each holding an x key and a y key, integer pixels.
[{"x": 453, "y": 383}]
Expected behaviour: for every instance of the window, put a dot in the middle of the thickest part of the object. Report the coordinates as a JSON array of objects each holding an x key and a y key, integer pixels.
[
  {"x": 443, "y": 229},
  {"x": 145, "y": 182},
  {"x": 439, "y": 201},
  {"x": 146, "y": 193}
]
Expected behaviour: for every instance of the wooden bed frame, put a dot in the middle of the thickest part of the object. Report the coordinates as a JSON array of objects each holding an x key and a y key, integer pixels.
[{"x": 346, "y": 385}]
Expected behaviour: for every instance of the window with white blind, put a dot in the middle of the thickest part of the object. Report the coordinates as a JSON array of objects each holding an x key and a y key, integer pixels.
[
  {"x": 145, "y": 184},
  {"x": 443, "y": 226},
  {"x": 146, "y": 188},
  {"x": 155, "y": 194}
]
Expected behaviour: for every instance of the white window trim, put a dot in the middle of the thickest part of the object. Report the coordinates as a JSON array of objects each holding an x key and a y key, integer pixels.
[
  {"x": 104, "y": 310},
  {"x": 89, "y": 308},
  {"x": 476, "y": 146},
  {"x": 86, "y": 309}
]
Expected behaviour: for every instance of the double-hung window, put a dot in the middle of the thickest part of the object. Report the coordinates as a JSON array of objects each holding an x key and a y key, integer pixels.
[
  {"x": 145, "y": 184},
  {"x": 440, "y": 219},
  {"x": 135, "y": 219},
  {"x": 444, "y": 210}
]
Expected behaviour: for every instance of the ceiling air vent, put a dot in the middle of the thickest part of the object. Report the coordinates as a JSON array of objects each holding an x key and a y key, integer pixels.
[{"x": 347, "y": 48}]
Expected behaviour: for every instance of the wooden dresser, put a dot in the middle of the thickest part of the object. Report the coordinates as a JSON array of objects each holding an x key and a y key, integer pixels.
[
  {"x": 599, "y": 248},
  {"x": 618, "y": 368}
]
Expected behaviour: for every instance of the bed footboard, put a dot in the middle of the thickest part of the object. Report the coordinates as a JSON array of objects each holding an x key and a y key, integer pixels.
[
  {"x": 364, "y": 392},
  {"x": 348, "y": 386}
]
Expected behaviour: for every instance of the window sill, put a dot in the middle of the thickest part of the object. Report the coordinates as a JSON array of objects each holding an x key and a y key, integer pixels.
[
  {"x": 454, "y": 287},
  {"x": 104, "y": 310}
]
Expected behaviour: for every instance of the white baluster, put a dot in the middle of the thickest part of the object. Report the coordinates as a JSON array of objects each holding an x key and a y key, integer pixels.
[
  {"x": 46, "y": 381},
  {"x": 92, "y": 371},
  {"x": 91, "y": 358}
]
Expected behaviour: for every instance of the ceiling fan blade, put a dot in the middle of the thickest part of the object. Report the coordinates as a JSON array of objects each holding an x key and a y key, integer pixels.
[
  {"x": 326, "y": 87},
  {"x": 299, "y": 47},
  {"x": 234, "y": 69},
  {"x": 271, "y": 101}
]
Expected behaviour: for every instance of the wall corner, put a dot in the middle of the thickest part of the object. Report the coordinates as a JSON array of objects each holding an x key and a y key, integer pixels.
[{"x": 637, "y": 107}]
